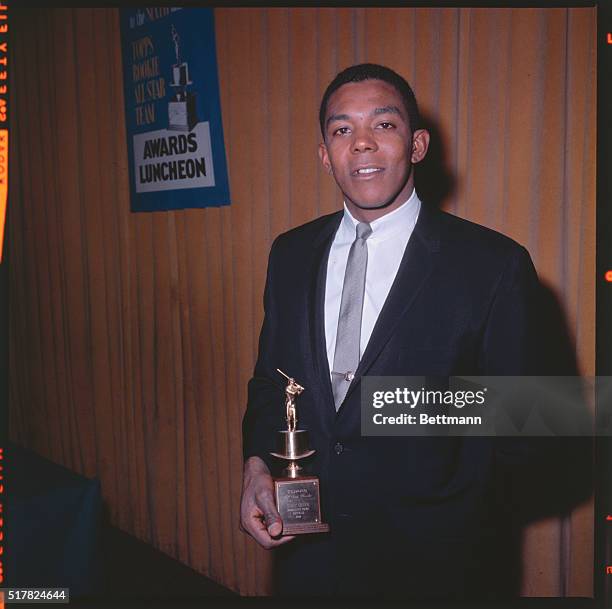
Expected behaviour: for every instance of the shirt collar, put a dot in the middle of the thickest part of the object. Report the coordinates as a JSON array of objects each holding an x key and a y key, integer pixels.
[{"x": 400, "y": 220}]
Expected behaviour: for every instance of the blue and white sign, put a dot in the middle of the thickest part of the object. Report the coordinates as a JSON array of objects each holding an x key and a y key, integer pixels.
[{"x": 173, "y": 112}]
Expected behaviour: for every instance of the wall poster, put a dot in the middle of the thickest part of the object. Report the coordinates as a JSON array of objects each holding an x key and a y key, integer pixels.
[{"x": 176, "y": 150}]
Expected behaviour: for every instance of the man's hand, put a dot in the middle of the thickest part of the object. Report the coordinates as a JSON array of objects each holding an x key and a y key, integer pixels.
[{"x": 258, "y": 514}]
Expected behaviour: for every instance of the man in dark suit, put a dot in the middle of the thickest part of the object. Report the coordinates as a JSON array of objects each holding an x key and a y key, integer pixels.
[{"x": 436, "y": 295}]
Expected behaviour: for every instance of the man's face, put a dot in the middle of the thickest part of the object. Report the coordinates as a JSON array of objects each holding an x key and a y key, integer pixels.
[{"x": 369, "y": 147}]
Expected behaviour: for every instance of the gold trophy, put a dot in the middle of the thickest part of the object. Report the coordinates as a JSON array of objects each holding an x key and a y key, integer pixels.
[{"x": 297, "y": 496}]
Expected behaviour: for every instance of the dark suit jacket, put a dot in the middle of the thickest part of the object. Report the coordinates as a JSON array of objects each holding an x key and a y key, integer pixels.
[{"x": 408, "y": 515}]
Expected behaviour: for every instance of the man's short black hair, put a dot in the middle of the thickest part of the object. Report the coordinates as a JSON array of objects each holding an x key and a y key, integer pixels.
[{"x": 373, "y": 71}]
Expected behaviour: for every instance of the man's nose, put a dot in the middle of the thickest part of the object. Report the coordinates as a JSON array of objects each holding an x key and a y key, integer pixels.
[{"x": 364, "y": 141}]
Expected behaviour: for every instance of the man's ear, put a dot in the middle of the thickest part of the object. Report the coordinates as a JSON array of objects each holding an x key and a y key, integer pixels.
[
  {"x": 420, "y": 144},
  {"x": 324, "y": 156}
]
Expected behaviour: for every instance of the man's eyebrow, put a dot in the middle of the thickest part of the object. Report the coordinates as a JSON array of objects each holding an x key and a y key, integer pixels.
[
  {"x": 387, "y": 110},
  {"x": 336, "y": 117}
]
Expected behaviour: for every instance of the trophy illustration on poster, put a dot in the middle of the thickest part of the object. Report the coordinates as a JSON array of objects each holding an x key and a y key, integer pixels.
[{"x": 182, "y": 108}]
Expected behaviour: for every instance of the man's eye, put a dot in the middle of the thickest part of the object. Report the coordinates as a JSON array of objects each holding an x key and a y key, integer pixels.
[
  {"x": 341, "y": 131},
  {"x": 387, "y": 125}
]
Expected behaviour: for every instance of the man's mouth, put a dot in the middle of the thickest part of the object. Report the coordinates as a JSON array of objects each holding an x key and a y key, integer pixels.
[{"x": 366, "y": 171}]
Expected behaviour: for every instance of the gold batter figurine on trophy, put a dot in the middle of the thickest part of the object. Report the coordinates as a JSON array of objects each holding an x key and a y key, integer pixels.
[
  {"x": 291, "y": 390},
  {"x": 297, "y": 497}
]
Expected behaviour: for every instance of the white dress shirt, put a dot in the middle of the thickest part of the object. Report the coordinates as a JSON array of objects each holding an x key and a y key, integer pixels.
[{"x": 386, "y": 245}]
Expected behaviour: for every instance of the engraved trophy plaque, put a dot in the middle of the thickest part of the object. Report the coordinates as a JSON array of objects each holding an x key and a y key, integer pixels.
[
  {"x": 182, "y": 109},
  {"x": 297, "y": 496}
]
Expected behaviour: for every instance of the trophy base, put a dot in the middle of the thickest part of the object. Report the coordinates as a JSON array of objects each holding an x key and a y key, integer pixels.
[
  {"x": 298, "y": 529},
  {"x": 298, "y": 503}
]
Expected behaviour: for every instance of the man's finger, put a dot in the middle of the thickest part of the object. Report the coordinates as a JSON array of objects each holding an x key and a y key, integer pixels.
[
  {"x": 272, "y": 518},
  {"x": 263, "y": 538},
  {"x": 273, "y": 523},
  {"x": 268, "y": 542},
  {"x": 282, "y": 540}
]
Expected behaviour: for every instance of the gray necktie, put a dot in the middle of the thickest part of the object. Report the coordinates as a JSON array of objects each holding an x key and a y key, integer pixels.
[{"x": 348, "y": 337}]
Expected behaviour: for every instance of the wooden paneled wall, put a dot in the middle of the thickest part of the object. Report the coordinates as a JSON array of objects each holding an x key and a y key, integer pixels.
[{"x": 133, "y": 335}]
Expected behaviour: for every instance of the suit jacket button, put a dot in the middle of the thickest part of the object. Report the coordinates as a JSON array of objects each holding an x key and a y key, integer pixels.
[{"x": 338, "y": 448}]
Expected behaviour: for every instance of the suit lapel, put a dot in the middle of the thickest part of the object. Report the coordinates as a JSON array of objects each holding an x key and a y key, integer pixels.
[
  {"x": 316, "y": 309},
  {"x": 415, "y": 269}
]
